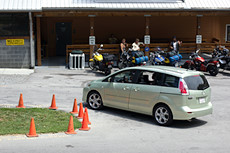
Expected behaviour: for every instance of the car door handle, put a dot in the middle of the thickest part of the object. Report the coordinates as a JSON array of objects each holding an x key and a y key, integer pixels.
[{"x": 126, "y": 88}]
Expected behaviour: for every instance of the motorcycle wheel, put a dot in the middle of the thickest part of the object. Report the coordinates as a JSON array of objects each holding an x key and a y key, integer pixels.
[
  {"x": 91, "y": 65},
  {"x": 213, "y": 70}
]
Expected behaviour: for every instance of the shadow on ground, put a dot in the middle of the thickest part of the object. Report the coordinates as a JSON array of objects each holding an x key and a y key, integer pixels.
[{"x": 149, "y": 119}]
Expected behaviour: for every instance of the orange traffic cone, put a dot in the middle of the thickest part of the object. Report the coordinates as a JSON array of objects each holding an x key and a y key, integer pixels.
[
  {"x": 84, "y": 126},
  {"x": 20, "y": 103},
  {"x": 80, "y": 113},
  {"x": 32, "y": 132},
  {"x": 75, "y": 111},
  {"x": 71, "y": 127},
  {"x": 87, "y": 116},
  {"x": 53, "y": 104}
]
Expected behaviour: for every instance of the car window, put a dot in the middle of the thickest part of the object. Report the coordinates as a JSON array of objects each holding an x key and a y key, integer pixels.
[
  {"x": 170, "y": 81},
  {"x": 122, "y": 77},
  {"x": 149, "y": 78},
  {"x": 196, "y": 82}
]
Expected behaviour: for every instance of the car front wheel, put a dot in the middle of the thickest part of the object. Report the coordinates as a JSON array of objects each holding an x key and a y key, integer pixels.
[
  {"x": 95, "y": 100},
  {"x": 162, "y": 115}
]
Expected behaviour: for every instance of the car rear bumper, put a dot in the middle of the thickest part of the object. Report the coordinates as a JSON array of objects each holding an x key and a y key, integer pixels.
[{"x": 186, "y": 113}]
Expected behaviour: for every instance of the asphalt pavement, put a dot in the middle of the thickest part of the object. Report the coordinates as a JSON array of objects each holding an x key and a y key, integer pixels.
[{"x": 112, "y": 130}]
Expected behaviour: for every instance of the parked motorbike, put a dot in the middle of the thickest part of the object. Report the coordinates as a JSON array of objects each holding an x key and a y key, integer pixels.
[
  {"x": 101, "y": 62},
  {"x": 198, "y": 63},
  {"x": 171, "y": 58},
  {"x": 222, "y": 56},
  {"x": 127, "y": 59},
  {"x": 156, "y": 58}
]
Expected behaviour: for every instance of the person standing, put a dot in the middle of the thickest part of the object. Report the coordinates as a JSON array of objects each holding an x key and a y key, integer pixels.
[
  {"x": 175, "y": 45},
  {"x": 123, "y": 45}
]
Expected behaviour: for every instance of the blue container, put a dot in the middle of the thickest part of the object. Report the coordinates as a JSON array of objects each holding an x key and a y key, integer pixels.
[
  {"x": 140, "y": 60},
  {"x": 175, "y": 58}
]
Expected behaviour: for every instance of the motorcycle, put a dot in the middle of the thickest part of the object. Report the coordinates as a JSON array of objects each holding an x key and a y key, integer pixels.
[
  {"x": 198, "y": 63},
  {"x": 129, "y": 59},
  {"x": 156, "y": 58},
  {"x": 101, "y": 62},
  {"x": 222, "y": 57}
]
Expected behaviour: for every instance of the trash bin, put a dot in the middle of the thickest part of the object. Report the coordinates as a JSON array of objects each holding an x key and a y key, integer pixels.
[{"x": 76, "y": 60}]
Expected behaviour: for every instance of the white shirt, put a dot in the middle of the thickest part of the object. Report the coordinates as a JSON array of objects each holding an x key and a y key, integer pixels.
[
  {"x": 174, "y": 45},
  {"x": 136, "y": 46}
]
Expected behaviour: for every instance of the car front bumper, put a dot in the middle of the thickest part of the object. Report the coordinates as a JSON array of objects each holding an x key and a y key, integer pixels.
[
  {"x": 186, "y": 113},
  {"x": 85, "y": 93}
]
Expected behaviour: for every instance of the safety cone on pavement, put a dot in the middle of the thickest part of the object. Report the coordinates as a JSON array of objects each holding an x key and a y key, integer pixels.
[
  {"x": 80, "y": 113},
  {"x": 20, "y": 103},
  {"x": 74, "y": 111},
  {"x": 87, "y": 116},
  {"x": 32, "y": 132},
  {"x": 84, "y": 126},
  {"x": 71, "y": 126},
  {"x": 53, "y": 104}
]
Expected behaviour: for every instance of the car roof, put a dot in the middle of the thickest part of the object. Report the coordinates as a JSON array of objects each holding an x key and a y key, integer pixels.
[{"x": 175, "y": 71}]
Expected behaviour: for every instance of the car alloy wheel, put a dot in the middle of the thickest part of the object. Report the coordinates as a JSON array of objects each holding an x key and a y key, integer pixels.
[
  {"x": 95, "y": 100},
  {"x": 163, "y": 115}
]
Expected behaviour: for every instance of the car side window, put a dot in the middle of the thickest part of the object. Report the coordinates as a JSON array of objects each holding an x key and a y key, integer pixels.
[
  {"x": 149, "y": 78},
  {"x": 122, "y": 77},
  {"x": 170, "y": 81}
]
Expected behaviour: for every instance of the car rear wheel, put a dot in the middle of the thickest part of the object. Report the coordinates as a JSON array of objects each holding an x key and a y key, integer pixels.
[
  {"x": 95, "y": 100},
  {"x": 162, "y": 115}
]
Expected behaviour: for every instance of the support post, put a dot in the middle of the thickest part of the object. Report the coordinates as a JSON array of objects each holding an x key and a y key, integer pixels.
[
  {"x": 91, "y": 34},
  {"x": 198, "y": 27},
  {"x": 32, "y": 54},
  {"x": 38, "y": 27},
  {"x": 147, "y": 24}
]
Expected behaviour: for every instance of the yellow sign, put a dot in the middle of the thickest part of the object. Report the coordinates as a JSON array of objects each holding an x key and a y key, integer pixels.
[{"x": 10, "y": 42}]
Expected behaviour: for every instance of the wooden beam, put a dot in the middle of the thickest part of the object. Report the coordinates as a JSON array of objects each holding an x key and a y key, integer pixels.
[
  {"x": 130, "y": 13},
  {"x": 91, "y": 26},
  {"x": 198, "y": 27},
  {"x": 38, "y": 27}
]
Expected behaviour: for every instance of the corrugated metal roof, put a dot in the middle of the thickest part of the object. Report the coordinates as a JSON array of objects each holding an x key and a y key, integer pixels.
[{"x": 39, "y": 5}]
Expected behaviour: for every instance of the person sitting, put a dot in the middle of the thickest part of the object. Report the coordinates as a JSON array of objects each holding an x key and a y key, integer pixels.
[
  {"x": 112, "y": 39},
  {"x": 136, "y": 46},
  {"x": 175, "y": 45}
]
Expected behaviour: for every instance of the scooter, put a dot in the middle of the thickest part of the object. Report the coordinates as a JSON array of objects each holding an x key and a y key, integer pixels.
[
  {"x": 101, "y": 62},
  {"x": 156, "y": 58},
  {"x": 128, "y": 59},
  {"x": 222, "y": 57},
  {"x": 198, "y": 63}
]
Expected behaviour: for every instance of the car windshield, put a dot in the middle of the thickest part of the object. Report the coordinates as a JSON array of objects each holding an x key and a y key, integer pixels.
[{"x": 196, "y": 82}]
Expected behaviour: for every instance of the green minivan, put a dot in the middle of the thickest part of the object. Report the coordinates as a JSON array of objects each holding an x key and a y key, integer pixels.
[{"x": 166, "y": 93}]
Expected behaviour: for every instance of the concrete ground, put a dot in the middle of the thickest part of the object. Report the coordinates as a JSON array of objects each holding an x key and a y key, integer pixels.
[{"x": 112, "y": 130}]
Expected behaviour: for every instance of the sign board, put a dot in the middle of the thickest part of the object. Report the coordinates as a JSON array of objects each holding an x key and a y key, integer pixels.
[
  {"x": 147, "y": 39},
  {"x": 146, "y": 49},
  {"x": 11, "y": 42},
  {"x": 198, "y": 39},
  {"x": 92, "y": 40}
]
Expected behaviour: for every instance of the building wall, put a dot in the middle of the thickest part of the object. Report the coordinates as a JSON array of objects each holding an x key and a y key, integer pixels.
[{"x": 14, "y": 56}]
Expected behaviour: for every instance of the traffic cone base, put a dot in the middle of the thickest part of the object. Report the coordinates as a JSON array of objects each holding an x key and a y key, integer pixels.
[
  {"x": 20, "y": 103},
  {"x": 20, "y": 107},
  {"x": 74, "y": 111},
  {"x": 53, "y": 104},
  {"x": 32, "y": 132},
  {"x": 85, "y": 129}
]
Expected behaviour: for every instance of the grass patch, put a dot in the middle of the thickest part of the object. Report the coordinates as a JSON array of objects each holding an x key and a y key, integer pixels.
[{"x": 17, "y": 120}]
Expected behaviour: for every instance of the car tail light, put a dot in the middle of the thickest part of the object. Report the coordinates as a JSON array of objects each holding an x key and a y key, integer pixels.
[{"x": 183, "y": 87}]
